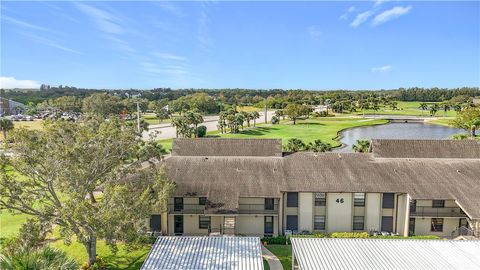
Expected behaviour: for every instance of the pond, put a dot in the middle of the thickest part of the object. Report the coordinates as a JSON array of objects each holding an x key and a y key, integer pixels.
[{"x": 395, "y": 131}]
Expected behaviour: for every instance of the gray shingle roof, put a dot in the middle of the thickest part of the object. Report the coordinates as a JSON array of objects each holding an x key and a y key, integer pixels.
[
  {"x": 426, "y": 148},
  {"x": 224, "y": 178},
  {"x": 227, "y": 147}
]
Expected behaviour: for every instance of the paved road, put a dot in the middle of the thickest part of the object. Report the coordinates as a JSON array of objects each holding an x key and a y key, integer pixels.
[{"x": 166, "y": 131}]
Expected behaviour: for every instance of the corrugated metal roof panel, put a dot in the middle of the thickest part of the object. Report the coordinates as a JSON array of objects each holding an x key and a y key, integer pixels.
[
  {"x": 330, "y": 253},
  {"x": 185, "y": 252}
]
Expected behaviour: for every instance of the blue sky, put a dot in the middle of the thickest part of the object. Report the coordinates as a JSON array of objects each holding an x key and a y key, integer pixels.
[{"x": 289, "y": 45}]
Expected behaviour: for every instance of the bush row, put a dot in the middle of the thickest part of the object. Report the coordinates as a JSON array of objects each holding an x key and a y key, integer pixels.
[{"x": 281, "y": 240}]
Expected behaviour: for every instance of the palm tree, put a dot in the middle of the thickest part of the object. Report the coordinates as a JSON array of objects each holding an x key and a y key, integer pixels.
[
  {"x": 295, "y": 145},
  {"x": 247, "y": 117},
  {"x": 446, "y": 108},
  {"x": 254, "y": 115},
  {"x": 474, "y": 124},
  {"x": 5, "y": 126},
  {"x": 362, "y": 146},
  {"x": 423, "y": 106},
  {"x": 363, "y": 104},
  {"x": 43, "y": 258},
  {"x": 433, "y": 109},
  {"x": 319, "y": 146},
  {"x": 195, "y": 119}
]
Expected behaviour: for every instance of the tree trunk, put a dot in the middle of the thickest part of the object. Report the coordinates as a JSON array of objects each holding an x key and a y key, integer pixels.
[
  {"x": 473, "y": 131},
  {"x": 4, "y": 134},
  {"x": 91, "y": 247},
  {"x": 254, "y": 122},
  {"x": 294, "y": 120}
]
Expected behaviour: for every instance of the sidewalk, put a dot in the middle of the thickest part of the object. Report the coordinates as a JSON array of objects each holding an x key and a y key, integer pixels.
[{"x": 272, "y": 260}]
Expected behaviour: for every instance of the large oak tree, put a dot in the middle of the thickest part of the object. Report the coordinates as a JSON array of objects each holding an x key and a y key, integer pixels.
[{"x": 93, "y": 179}]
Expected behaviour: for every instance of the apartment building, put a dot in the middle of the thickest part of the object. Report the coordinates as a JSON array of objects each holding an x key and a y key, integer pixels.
[{"x": 249, "y": 187}]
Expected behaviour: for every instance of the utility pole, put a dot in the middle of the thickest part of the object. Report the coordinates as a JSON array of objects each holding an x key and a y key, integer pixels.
[
  {"x": 138, "y": 117},
  {"x": 266, "y": 118}
]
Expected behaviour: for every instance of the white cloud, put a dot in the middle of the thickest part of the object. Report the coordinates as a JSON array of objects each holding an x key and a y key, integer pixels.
[
  {"x": 169, "y": 56},
  {"x": 361, "y": 18},
  {"x": 171, "y": 8},
  {"x": 314, "y": 32},
  {"x": 156, "y": 69},
  {"x": 381, "y": 69},
  {"x": 11, "y": 83},
  {"x": 50, "y": 42},
  {"x": 105, "y": 21},
  {"x": 379, "y": 2},
  {"x": 391, "y": 14},
  {"x": 25, "y": 24},
  {"x": 349, "y": 10}
]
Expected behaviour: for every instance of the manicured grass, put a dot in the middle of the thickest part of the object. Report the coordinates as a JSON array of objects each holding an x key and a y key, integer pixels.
[
  {"x": 408, "y": 108},
  {"x": 248, "y": 109},
  {"x": 10, "y": 224},
  {"x": 153, "y": 120},
  {"x": 308, "y": 130},
  {"x": 265, "y": 265},
  {"x": 283, "y": 253}
]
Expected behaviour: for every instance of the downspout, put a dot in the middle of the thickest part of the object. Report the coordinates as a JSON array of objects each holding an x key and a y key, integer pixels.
[
  {"x": 283, "y": 213},
  {"x": 395, "y": 203}
]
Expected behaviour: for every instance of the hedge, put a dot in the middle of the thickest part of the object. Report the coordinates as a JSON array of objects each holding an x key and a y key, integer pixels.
[{"x": 281, "y": 240}]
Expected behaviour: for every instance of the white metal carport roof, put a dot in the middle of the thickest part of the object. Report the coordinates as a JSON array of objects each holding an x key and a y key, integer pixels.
[
  {"x": 184, "y": 252},
  {"x": 335, "y": 253}
]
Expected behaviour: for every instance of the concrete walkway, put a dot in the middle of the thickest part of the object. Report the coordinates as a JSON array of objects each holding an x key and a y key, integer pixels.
[{"x": 272, "y": 260}]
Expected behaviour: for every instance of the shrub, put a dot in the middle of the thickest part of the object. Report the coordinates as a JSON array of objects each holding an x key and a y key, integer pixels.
[
  {"x": 349, "y": 235},
  {"x": 278, "y": 240},
  {"x": 201, "y": 131},
  {"x": 99, "y": 264},
  {"x": 275, "y": 120},
  {"x": 408, "y": 237}
]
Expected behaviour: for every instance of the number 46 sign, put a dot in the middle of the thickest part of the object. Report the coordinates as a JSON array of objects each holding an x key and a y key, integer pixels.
[{"x": 340, "y": 200}]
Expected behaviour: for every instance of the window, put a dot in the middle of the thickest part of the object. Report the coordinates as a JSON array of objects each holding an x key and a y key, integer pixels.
[
  {"x": 319, "y": 223},
  {"x": 320, "y": 199},
  {"x": 203, "y": 222},
  {"x": 358, "y": 223},
  {"x": 387, "y": 224},
  {"x": 388, "y": 200},
  {"x": 155, "y": 223},
  {"x": 437, "y": 225},
  {"x": 413, "y": 206},
  {"x": 292, "y": 199},
  {"x": 202, "y": 200},
  {"x": 411, "y": 226},
  {"x": 177, "y": 203},
  {"x": 359, "y": 199},
  {"x": 268, "y": 225},
  {"x": 292, "y": 222},
  {"x": 438, "y": 203},
  {"x": 269, "y": 204}
]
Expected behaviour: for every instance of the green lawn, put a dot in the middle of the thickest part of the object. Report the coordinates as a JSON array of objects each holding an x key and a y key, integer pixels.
[
  {"x": 10, "y": 224},
  {"x": 284, "y": 254},
  {"x": 325, "y": 129},
  {"x": 409, "y": 108}
]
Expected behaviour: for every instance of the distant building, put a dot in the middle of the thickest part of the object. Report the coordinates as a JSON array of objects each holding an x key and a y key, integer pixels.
[
  {"x": 250, "y": 187},
  {"x": 10, "y": 107},
  {"x": 476, "y": 100}
]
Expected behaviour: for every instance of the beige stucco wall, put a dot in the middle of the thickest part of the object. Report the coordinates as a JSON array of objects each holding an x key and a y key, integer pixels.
[
  {"x": 305, "y": 211},
  {"x": 373, "y": 207},
  {"x": 403, "y": 205},
  {"x": 339, "y": 217},
  {"x": 250, "y": 225},
  {"x": 423, "y": 225}
]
